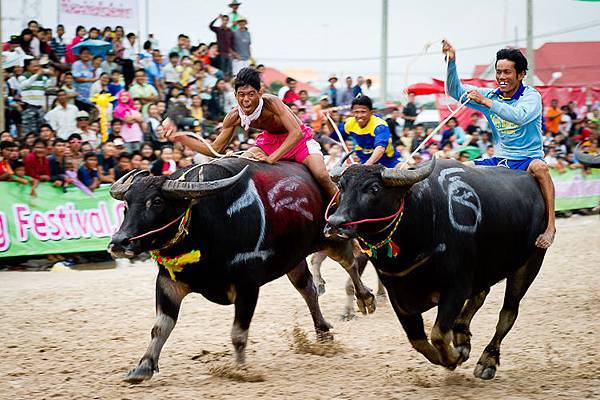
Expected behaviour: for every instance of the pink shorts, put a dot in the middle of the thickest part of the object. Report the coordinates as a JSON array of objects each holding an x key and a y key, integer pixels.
[{"x": 269, "y": 143}]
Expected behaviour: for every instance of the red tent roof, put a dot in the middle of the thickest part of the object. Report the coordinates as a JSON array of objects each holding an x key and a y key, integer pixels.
[
  {"x": 274, "y": 75},
  {"x": 479, "y": 69}
]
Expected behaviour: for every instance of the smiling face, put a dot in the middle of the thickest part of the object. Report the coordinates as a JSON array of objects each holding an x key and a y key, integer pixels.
[
  {"x": 507, "y": 77},
  {"x": 362, "y": 114},
  {"x": 248, "y": 98}
]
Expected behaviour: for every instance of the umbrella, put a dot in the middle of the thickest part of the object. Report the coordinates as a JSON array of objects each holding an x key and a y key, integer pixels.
[
  {"x": 13, "y": 58},
  {"x": 96, "y": 47},
  {"x": 472, "y": 151},
  {"x": 425, "y": 88}
]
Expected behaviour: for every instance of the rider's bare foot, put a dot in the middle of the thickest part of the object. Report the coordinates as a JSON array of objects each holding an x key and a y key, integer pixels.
[{"x": 545, "y": 239}]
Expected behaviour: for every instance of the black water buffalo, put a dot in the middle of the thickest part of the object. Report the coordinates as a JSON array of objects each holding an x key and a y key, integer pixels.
[
  {"x": 223, "y": 230},
  {"x": 455, "y": 232}
]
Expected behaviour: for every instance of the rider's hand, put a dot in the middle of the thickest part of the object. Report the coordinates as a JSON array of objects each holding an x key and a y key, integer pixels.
[
  {"x": 479, "y": 98},
  {"x": 448, "y": 50},
  {"x": 166, "y": 129}
]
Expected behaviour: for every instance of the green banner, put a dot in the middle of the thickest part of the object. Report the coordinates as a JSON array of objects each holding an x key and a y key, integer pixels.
[
  {"x": 55, "y": 222},
  {"x": 576, "y": 188}
]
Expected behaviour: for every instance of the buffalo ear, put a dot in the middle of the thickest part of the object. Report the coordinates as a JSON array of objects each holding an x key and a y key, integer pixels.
[{"x": 120, "y": 187}]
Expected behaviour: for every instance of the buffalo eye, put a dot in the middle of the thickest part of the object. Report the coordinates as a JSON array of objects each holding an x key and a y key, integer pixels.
[
  {"x": 156, "y": 202},
  {"x": 374, "y": 189}
]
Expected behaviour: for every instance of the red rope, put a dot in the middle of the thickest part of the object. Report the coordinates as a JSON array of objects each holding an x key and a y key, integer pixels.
[{"x": 362, "y": 221}]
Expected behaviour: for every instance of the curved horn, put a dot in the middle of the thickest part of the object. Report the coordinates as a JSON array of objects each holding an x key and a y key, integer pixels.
[
  {"x": 398, "y": 177},
  {"x": 587, "y": 159},
  {"x": 193, "y": 190},
  {"x": 336, "y": 172},
  {"x": 118, "y": 189}
]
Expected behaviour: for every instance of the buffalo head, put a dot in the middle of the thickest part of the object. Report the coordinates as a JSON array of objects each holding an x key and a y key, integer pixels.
[
  {"x": 368, "y": 192},
  {"x": 152, "y": 202}
]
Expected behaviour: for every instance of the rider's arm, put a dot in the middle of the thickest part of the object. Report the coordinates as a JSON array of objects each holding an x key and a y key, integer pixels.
[
  {"x": 456, "y": 89},
  {"x": 527, "y": 109},
  {"x": 382, "y": 140},
  {"x": 291, "y": 124}
]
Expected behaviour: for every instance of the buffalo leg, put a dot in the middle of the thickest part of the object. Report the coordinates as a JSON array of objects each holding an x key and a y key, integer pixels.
[
  {"x": 316, "y": 260},
  {"x": 461, "y": 329},
  {"x": 303, "y": 282},
  {"x": 516, "y": 287},
  {"x": 245, "y": 304},
  {"x": 449, "y": 308},
  {"x": 348, "y": 314},
  {"x": 415, "y": 332},
  {"x": 169, "y": 295}
]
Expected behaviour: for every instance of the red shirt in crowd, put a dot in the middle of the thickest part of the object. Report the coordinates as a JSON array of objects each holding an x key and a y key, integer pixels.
[
  {"x": 35, "y": 167},
  {"x": 290, "y": 97}
]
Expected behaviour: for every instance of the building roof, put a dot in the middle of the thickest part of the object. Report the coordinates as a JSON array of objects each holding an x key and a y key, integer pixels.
[
  {"x": 274, "y": 75},
  {"x": 560, "y": 64}
]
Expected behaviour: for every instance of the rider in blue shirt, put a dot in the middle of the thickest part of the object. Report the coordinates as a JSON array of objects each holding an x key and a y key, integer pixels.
[
  {"x": 370, "y": 134},
  {"x": 514, "y": 113}
]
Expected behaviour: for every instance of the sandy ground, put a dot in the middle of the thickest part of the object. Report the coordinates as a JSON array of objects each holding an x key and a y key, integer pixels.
[{"x": 74, "y": 335}]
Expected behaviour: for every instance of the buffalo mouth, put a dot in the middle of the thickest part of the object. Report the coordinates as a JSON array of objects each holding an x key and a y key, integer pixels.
[
  {"x": 117, "y": 251},
  {"x": 340, "y": 233}
]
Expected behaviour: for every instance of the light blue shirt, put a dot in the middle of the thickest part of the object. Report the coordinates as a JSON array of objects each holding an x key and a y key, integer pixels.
[{"x": 516, "y": 123}]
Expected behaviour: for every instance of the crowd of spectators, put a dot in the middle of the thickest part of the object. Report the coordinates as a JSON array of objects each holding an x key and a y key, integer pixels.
[{"x": 57, "y": 132}]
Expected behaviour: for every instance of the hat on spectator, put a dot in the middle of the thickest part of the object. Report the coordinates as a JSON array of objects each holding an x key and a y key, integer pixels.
[
  {"x": 234, "y": 3},
  {"x": 110, "y": 53},
  {"x": 82, "y": 114},
  {"x": 333, "y": 77},
  {"x": 241, "y": 18},
  {"x": 119, "y": 142},
  {"x": 324, "y": 97}
]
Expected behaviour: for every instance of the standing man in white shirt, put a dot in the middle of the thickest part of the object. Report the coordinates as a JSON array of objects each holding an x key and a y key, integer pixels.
[{"x": 63, "y": 116}]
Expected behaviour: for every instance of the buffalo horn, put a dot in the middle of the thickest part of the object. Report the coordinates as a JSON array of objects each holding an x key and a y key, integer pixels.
[
  {"x": 399, "y": 177},
  {"x": 193, "y": 190},
  {"x": 118, "y": 189},
  {"x": 337, "y": 171},
  {"x": 587, "y": 159}
]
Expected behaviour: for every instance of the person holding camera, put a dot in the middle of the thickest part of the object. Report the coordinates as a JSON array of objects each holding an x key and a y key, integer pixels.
[{"x": 33, "y": 83}]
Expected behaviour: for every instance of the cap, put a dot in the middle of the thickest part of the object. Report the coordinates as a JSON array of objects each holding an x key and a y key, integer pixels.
[
  {"x": 110, "y": 53},
  {"x": 241, "y": 18},
  {"x": 119, "y": 142},
  {"x": 83, "y": 114},
  {"x": 324, "y": 97},
  {"x": 332, "y": 77}
]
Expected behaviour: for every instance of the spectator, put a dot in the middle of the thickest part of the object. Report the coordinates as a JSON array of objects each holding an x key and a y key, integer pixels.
[
  {"x": 234, "y": 17},
  {"x": 143, "y": 91},
  {"x": 115, "y": 86},
  {"x": 165, "y": 165},
  {"x": 241, "y": 45},
  {"x": 21, "y": 177},
  {"x": 136, "y": 160},
  {"x": 97, "y": 66},
  {"x": 63, "y": 116},
  {"x": 454, "y": 133},
  {"x": 154, "y": 71},
  {"x": 216, "y": 105},
  {"x": 131, "y": 131},
  {"x": 553, "y": 117},
  {"x": 58, "y": 43},
  {"x": 75, "y": 155},
  {"x": 130, "y": 48},
  {"x": 348, "y": 93},
  {"x": 196, "y": 108},
  {"x": 290, "y": 96},
  {"x": 83, "y": 128},
  {"x": 225, "y": 42},
  {"x": 357, "y": 89},
  {"x": 106, "y": 162},
  {"x": 392, "y": 122},
  {"x": 94, "y": 33},
  {"x": 474, "y": 126},
  {"x": 124, "y": 165},
  {"x": 80, "y": 33},
  {"x": 25, "y": 40},
  {"x": 109, "y": 65},
  {"x": 304, "y": 103},
  {"x": 410, "y": 111},
  {"x": 36, "y": 163},
  {"x": 368, "y": 89},
  {"x": 33, "y": 84},
  {"x": 332, "y": 92},
  {"x": 318, "y": 116},
  {"x": 6, "y": 169},
  {"x": 57, "y": 163},
  {"x": 147, "y": 152},
  {"x": 182, "y": 46},
  {"x": 83, "y": 72},
  {"x": 88, "y": 172},
  {"x": 69, "y": 87},
  {"x": 101, "y": 85},
  {"x": 172, "y": 71}
]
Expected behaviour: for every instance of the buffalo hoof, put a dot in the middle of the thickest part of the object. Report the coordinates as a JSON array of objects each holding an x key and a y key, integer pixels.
[
  {"x": 367, "y": 305},
  {"x": 349, "y": 315},
  {"x": 139, "y": 374},
  {"x": 324, "y": 336},
  {"x": 483, "y": 372},
  {"x": 464, "y": 351},
  {"x": 321, "y": 289}
]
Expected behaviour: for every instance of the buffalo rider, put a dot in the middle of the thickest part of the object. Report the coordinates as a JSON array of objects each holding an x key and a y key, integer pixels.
[
  {"x": 283, "y": 137},
  {"x": 370, "y": 134},
  {"x": 514, "y": 113}
]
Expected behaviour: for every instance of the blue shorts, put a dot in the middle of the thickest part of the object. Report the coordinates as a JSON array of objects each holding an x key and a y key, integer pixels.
[{"x": 503, "y": 162}]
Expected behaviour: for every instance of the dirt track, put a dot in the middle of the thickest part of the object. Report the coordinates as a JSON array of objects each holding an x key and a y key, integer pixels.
[{"x": 74, "y": 335}]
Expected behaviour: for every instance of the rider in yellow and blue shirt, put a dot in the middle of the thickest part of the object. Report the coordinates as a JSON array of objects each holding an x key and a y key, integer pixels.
[{"x": 370, "y": 134}]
